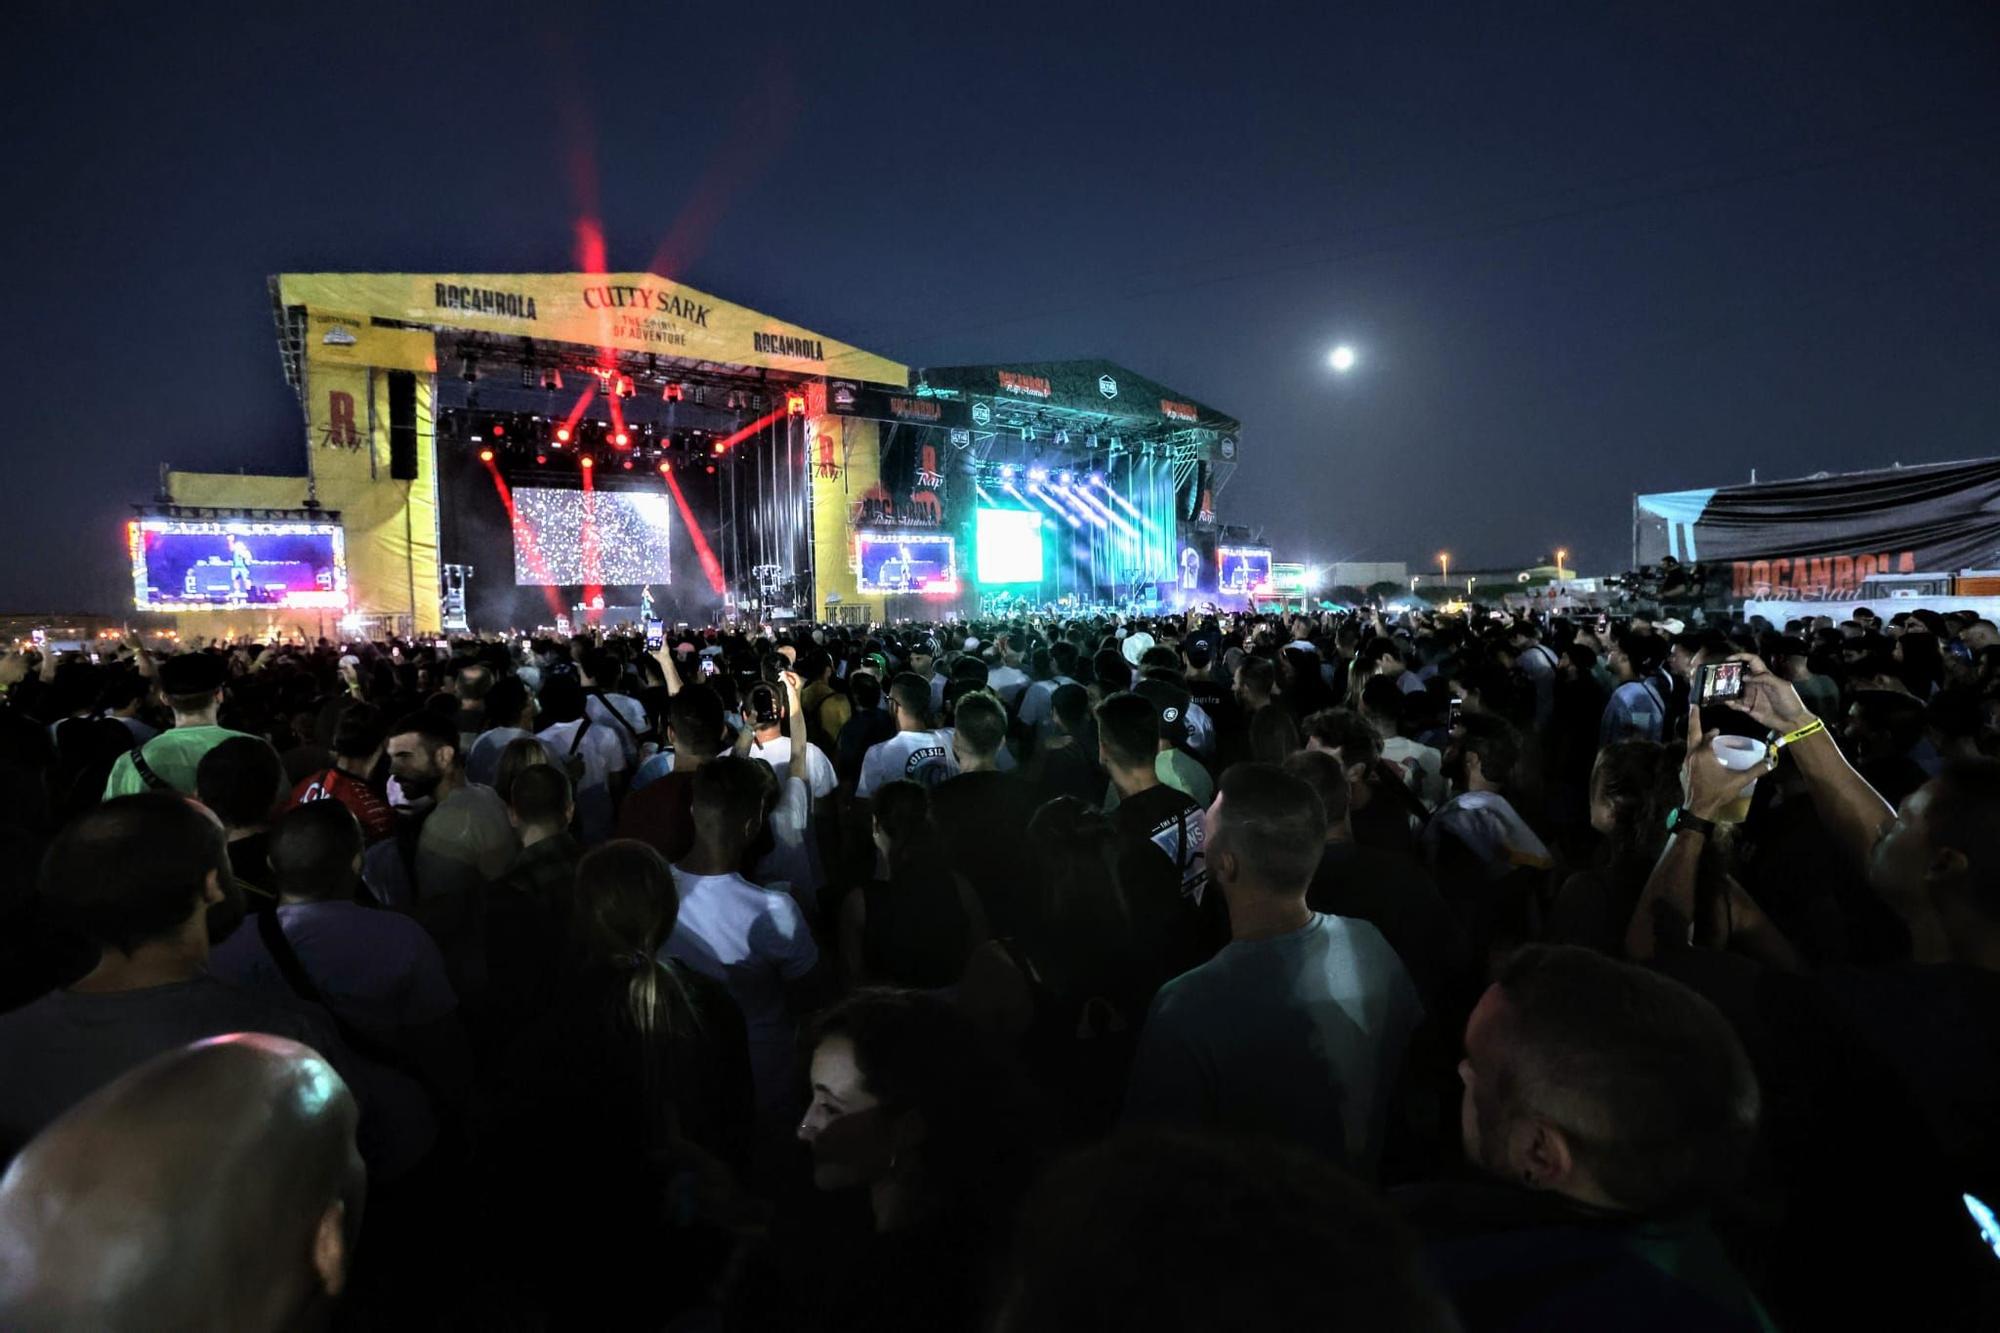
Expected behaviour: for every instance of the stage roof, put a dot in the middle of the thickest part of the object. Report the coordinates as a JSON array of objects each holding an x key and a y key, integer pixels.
[
  {"x": 1111, "y": 396},
  {"x": 623, "y": 312}
]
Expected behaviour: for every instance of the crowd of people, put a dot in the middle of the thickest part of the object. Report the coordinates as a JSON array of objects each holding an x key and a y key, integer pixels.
[{"x": 1417, "y": 972}]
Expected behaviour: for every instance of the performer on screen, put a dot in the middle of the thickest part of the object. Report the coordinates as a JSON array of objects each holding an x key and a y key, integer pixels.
[
  {"x": 239, "y": 566},
  {"x": 895, "y": 572}
]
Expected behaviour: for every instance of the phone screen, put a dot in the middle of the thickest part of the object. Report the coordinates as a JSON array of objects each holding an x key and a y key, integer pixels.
[
  {"x": 708, "y": 666},
  {"x": 1720, "y": 681},
  {"x": 1451, "y": 715}
]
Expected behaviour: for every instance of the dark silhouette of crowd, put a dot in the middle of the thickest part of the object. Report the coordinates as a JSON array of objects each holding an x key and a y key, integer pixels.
[{"x": 1419, "y": 972}]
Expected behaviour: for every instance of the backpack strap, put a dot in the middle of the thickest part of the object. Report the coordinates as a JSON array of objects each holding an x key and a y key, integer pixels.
[
  {"x": 272, "y": 931},
  {"x": 616, "y": 716},
  {"x": 153, "y": 781}
]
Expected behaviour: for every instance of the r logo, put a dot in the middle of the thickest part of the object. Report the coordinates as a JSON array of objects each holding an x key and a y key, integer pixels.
[{"x": 340, "y": 419}]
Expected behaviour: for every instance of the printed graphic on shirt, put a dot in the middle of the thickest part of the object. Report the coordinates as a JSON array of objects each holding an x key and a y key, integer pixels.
[
  {"x": 929, "y": 765},
  {"x": 1181, "y": 839}
]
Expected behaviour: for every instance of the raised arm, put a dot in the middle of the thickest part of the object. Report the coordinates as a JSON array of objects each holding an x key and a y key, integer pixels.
[
  {"x": 1707, "y": 788},
  {"x": 1854, "y": 811},
  {"x": 795, "y": 712},
  {"x": 664, "y": 655}
]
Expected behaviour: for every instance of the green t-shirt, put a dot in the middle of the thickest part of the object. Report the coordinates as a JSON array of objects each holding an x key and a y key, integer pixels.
[
  {"x": 1181, "y": 771},
  {"x": 173, "y": 755}
]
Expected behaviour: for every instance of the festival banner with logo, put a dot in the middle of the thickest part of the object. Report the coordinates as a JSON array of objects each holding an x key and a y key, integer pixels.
[
  {"x": 1821, "y": 537},
  {"x": 996, "y": 394},
  {"x": 627, "y": 312}
]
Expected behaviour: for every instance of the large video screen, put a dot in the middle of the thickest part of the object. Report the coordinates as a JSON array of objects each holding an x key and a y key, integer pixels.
[
  {"x": 1010, "y": 546},
  {"x": 572, "y": 538},
  {"x": 203, "y": 564},
  {"x": 900, "y": 562},
  {"x": 1243, "y": 569}
]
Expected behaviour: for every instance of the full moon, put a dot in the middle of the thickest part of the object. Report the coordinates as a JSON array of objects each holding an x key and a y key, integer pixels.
[{"x": 1342, "y": 358}]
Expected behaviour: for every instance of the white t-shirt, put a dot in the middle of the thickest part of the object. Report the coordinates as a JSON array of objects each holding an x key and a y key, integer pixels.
[
  {"x": 922, "y": 756},
  {"x": 819, "y": 769},
  {"x": 1423, "y": 768},
  {"x": 599, "y": 710},
  {"x": 1007, "y": 682},
  {"x": 793, "y": 858},
  {"x": 753, "y": 941},
  {"x": 603, "y": 758}
]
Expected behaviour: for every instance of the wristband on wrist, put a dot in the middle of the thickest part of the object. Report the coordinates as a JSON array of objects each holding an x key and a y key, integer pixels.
[
  {"x": 1812, "y": 728},
  {"x": 1682, "y": 820}
]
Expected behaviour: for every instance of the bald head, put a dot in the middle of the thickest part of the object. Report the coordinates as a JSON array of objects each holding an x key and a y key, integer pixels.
[{"x": 217, "y": 1186}]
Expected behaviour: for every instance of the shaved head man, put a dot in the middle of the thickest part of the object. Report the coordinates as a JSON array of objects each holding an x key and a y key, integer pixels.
[{"x": 215, "y": 1186}]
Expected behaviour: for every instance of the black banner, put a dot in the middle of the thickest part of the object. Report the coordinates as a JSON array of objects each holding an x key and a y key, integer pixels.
[
  {"x": 1823, "y": 537},
  {"x": 854, "y": 399}
]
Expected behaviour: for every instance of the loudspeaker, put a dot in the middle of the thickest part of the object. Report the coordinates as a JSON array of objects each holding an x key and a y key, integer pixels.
[{"x": 402, "y": 425}]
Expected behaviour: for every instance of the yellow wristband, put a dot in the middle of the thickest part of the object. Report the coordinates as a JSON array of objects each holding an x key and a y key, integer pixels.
[{"x": 1812, "y": 728}]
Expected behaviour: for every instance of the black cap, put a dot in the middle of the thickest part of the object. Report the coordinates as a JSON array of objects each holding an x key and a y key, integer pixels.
[
  {"x": 1170, "y": 703},
  {"x": 193, "y": 673}
]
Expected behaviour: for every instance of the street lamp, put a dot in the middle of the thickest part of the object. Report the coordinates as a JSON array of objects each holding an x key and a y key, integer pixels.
[
  {"x": 1413, "y": 581},
  {"x": 1560, "y": 554},
  {"x": 1444, "y": 566},
  {"x": 1468, "y": 584}
]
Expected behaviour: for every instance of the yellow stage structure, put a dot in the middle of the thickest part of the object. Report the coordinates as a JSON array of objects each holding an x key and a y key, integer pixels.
[{"x": 363, "y": 351}]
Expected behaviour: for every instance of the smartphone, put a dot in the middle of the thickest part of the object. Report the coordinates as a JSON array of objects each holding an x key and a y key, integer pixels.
[
  {"x": 1718, "y": 681},
  {"x": 1451, "y": 715},
  {"x": 708, "y": 667}
]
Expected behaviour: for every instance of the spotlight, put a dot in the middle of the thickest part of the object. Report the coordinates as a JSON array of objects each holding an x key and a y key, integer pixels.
[
  {"x": 1063, "y": 478},
  {"x": 795, "y": 404},
  {"x": 1009, "y": 472},
  {"x": 665, "y": 467},
  {"x": 673, "y": 393},
  {"x": 718, "y": 452},
  {"x": 541, "y": 460},
  {"x": 628, "y": 465},
  {"x": 485, "y": 455},
  {"x": 499, "y": 431},
  {"x": 1038, "y": 474},
  {"x": 562, "y": 434},
  {"x": 620, "y": 440},
  {"x": 1097, "y": 478},
  {"x": 625, "y": 387},
  {"x": 588, "y": 462},
  {"x": 711, "y": 469}
]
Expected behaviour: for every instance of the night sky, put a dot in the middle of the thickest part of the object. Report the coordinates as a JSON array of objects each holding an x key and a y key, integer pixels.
[{"x": 1582, "y": 250}]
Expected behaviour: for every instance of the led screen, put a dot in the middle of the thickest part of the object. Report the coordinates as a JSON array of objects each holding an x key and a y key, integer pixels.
[
  {"x": 1243, "y": 568},
  {"x": 201, "y": 564},
  {"x": 577, "y": 538},
  {"x": 899, "y": 562},
  {"x": 1010, "y": 546}
]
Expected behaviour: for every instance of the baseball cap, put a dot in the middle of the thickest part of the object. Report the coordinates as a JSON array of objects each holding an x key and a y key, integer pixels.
[
  {"x": 193, "y": 673},
  {"x": 1170, "y": 704},
  {"x": 1136, "y": 645}
]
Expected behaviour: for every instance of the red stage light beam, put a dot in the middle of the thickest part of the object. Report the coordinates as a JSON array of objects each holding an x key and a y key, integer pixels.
[
  {"x": 710, "y": 566},
  {"x": 566, "y": 431},
  {"x": 526, "y": 538}
]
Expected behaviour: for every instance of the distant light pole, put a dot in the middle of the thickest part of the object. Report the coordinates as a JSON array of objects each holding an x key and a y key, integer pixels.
[
  {"x": 1560, "y": 553},
  {"x": 1444, "y": 566},
  {"x": 1468, "y": 584}
]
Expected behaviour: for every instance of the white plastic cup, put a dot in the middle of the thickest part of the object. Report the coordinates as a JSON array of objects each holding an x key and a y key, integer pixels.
[{"x": 1738, "y": 754}]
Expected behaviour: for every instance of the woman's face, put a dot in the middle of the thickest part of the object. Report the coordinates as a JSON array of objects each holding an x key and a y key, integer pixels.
[{"x": 846, "y": 1127}]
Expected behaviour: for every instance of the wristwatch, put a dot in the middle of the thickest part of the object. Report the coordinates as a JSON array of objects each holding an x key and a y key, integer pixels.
[{"x": 1681, "y": 819}]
